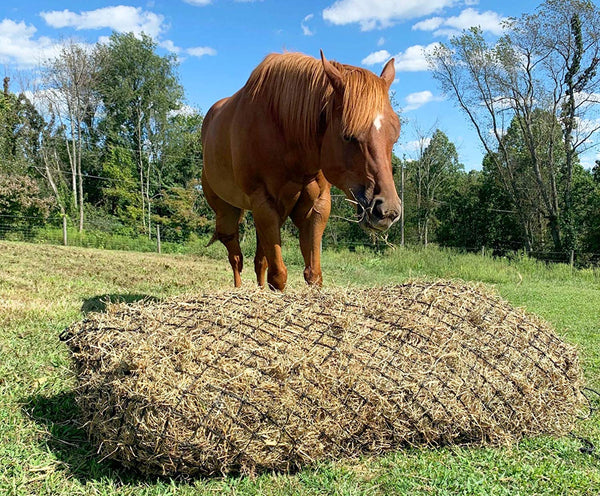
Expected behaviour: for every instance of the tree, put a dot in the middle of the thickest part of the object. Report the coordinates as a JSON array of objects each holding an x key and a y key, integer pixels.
[
  {"x": 181, "y": 159},
  {"x": 20, "y": 128},
  {"x": 51, "y": 148},
  {"x": 120, "y": 190},
  {"x": 178, "y": 211},
  {"x": 430, "y": 173},
  {"x": 70, "y": 80},
  {"x": 139, "y": 89},
  {"x": 462, "y": 216},
  {"x": 525, "y": 193},
  {"x": 544, "y": 65},
  {"x": 22, "y": 204},
  {"x": 592, "y": 241},
  {"x": 585, "y": 210}
]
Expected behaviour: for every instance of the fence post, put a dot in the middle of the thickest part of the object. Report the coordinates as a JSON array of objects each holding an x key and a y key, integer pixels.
[
  {"x": 158, "y": 248},
  {"x": 64, "y": 227},
  {"x": 572, "y": 261},
  {"x": 402, "y": 203},
  {"x": 483, "y": 251}
]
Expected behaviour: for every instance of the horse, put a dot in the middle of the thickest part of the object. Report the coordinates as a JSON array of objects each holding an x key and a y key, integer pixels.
[{"x": 275, "y": 147}]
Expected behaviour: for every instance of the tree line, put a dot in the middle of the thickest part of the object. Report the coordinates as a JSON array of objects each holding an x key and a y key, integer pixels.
[{"x": 106, "y": 143}]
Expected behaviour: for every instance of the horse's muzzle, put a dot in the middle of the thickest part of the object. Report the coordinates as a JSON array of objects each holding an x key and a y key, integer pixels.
[{"x": 379, "y": 215}]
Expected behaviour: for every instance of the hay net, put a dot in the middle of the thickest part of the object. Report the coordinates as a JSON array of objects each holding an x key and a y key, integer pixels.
[{"x": 254, "y": 380}]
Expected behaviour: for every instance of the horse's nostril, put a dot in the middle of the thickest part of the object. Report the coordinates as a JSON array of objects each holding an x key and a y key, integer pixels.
[{"x": 377, "y": 208}]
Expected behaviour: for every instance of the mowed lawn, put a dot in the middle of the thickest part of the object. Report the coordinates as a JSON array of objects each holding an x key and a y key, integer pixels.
[{"x": 45, "y": 288}]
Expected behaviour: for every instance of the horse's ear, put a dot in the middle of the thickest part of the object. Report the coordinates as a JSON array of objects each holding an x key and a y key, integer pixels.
[
  {"x": 389, "y": 72},
  {"x": 334, "y": 76}
]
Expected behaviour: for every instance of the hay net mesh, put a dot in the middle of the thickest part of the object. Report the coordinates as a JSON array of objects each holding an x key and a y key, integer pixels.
[{"x": 254, "y": 380}]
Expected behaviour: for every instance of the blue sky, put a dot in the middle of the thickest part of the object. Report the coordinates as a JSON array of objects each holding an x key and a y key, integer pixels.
[{"x": 219, "y": 42}]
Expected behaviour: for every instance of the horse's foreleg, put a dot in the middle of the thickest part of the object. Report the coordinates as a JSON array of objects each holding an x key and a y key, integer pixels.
[
  {"x": 310, "y": 216},
  {"x": 260, "y": 262},
  {"x": 268, "y": 224}
]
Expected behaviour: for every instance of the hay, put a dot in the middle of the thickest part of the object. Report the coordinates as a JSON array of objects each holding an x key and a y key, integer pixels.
[{"x": 254, "y": 380}]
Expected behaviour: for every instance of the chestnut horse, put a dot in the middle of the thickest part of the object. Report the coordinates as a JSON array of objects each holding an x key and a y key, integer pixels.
[{"x": 275, "y": 147}]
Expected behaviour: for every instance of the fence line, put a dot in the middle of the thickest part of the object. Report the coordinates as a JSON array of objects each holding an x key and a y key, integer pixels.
[{"x": 55, "y": 234}]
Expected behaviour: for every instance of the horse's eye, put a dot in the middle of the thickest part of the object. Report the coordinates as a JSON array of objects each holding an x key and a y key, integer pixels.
[{"x": 349, "y": 139}]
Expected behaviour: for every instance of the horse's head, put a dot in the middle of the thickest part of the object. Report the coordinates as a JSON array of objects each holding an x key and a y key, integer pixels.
[{"x": 356, "y": 152}]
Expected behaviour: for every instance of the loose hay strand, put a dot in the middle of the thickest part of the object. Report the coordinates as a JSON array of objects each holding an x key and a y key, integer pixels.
[{"x": 254, "y": 380}]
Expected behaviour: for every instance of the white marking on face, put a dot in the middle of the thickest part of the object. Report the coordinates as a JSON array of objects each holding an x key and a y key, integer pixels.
[{"x": 377, "y": 122}]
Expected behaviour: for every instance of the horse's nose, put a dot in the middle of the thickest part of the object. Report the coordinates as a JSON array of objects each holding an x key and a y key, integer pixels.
[{"x": 384, "y": 212}]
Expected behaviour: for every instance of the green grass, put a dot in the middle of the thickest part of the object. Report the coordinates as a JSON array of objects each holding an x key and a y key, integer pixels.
[{"x": 44, "y": 288}]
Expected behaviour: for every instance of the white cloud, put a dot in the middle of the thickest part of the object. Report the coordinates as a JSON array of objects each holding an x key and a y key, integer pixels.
[
  {"x": 19, "y": 44},
  {"x": 488, "y": 21},
  {"x": 170, "y": 46},
  {"x": 587, "y": 127},
  {"x": 305, "y": 29},
  {"x": 378, "y": 57},
  {"x": 42, "y": 99},
  {"x": 185, "y": 110},
  {"x": 447, "y": 32},
  {"x": 501, "y": 102},
  {"x": 121, "y": 18},
  {"x": 371, "y": 14},
  {"x": 420, "y": 98},
  {"x": 585, "y": 100},
  {"x": 589, "y": 162},
  {"x": 413, "y": 58},
  {"x": 416, "y": 145},
  {"x": 429, "y": 24},
  {"x": 499, "y": 132},
  {"x": 200, "y": 51},
  {"x": 381, "y": 41}
]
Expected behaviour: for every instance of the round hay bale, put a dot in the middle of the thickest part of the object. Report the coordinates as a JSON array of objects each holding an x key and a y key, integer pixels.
[{"x": 254, "y": 380}]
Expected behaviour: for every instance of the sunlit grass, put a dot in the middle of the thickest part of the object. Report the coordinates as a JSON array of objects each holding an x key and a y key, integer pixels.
[{"x": 44, "y": 288}]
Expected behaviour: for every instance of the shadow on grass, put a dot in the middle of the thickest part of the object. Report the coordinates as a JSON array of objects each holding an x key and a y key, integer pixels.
[
  {"x": 57, "y": 415},
  {"x": 100, "y": 302}
]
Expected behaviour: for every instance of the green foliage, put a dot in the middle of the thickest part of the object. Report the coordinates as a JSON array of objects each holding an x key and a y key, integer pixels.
[
  {"x": 20, "y": 127},
  {"x": 21, "y": 203},
  {"x": 586, "y": 202},
  {"x": 139, "y": 90},
  {"x": 584, "y": 210},
  {"x": 462, "y": 215},
  {"x": 181, "y": 160},
  {"x": 430, "y": 176},
  {"x": 531, "y": 76},
  {"x": 177, "y": 211},
  {"x": 120, "y": 190}
]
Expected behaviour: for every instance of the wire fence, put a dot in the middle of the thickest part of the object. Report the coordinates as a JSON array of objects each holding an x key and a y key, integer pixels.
[{"x": 53, "y": 231}]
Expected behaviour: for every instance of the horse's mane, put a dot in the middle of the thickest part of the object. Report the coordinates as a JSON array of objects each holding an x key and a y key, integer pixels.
[{"x": 297, "y": 90}]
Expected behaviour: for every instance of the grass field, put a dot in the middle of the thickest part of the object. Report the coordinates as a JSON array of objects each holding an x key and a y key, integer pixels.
[{"x": 45, "y": 288}]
